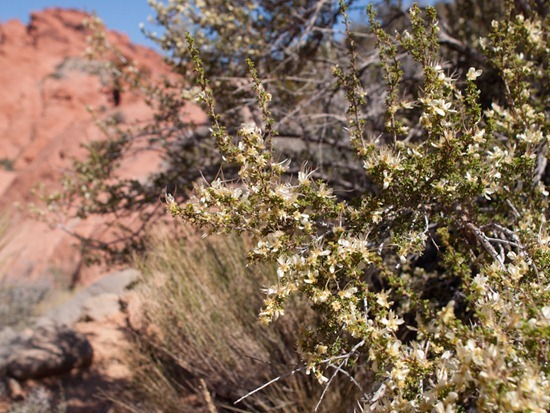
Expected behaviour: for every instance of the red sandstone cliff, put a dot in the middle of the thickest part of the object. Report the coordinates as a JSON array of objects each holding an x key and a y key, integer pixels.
[{"x": 46, "y": 84}]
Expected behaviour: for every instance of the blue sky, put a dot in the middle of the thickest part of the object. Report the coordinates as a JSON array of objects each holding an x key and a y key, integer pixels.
[{"x": 120, "y": 15}]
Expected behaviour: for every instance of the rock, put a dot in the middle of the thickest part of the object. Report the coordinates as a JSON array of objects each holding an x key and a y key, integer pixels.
[
  {"x": 50, "y": 350},
  {"x": 51, "y": 347},
  {"x": 72, "y": 311},
  {"x": 46, "y": 85},
  {"x": 11, "y": 342},
  {"x": 7, "y": 335},
  {"x": 133, "y": 307},
  {"x": 115, "y": 282},
  {"x": 15, "y": 391},
  {"x": 99, "y": 307}
]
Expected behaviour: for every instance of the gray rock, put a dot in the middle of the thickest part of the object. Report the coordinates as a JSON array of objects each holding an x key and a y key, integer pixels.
[
  {"x": 51, "y": 347},
  {"x": 50, "y": 350},
  {"x": 116, "y": 282},
  {"x": 71, "y": 312},
  {"x": 11, "y": 342},
  {"x": 7, "y": 335},
  {"x": 100, "y": 306}
]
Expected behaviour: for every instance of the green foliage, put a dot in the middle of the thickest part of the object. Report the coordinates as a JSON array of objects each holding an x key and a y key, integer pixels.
[{"x": 436, "y": 277}]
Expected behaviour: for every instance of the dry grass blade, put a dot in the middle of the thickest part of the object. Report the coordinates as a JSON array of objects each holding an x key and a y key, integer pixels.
[{"x": 202, "y": 346}]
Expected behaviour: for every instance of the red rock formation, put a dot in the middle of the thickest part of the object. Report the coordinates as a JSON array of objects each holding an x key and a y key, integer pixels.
[{"x": 46, "y": 84}]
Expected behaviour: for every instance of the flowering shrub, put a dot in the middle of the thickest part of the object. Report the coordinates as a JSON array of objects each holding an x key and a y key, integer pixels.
[
  {"x": 437, "y": 276},
  {"x": 295, "y": 47}
]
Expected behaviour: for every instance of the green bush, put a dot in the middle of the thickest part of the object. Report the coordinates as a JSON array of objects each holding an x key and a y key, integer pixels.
[{"x": 436, "y": 277}]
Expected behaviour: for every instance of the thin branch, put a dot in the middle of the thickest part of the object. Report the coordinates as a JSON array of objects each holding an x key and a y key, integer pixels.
[
  {"x": 270, "y": 382},
  {"x": 325, "y": 389},
  {"x": 482, "y": 238}
]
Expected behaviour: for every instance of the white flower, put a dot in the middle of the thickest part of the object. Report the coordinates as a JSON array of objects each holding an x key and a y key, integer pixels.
[
  {"x": 479, "y": 136},
  {"x": 248, "y": 129},
  {"x": 322, "y": 379},
  {"x": 269, "y": 291},
  {"x": 440, "y": 107},
  {"x": 283, "y": 266},
  {"x": 348, "y": 293},
  {"x": 483, "y": 43},
  {"x": 515, "y": 272},
  {"x": 393, "y": 349},
  {"x": 534, "y": 30},
  {"x": 387, "y": 180},
  {"x": 382, "y": 299},
  {"x": 303, "y": 177},
  {"x": 321, "y": 296},
  {"x": 471, "y": 179},
  {"x": 473, "y": 74},
  {"x": 392, "y": 322},
  {"x": 399, "y": 374},
  {"x": 201, "y": 97},
  {"x": 321, "y": 349},
  {"x": 407, "y": 105}
]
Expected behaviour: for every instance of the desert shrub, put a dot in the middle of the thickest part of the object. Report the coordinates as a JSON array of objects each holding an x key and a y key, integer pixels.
[
  {"x": 295, "y": 46},
  {"x": 436, "y": 277},
  {"x": 200, "y": 328},
  {"x": 417, "y": 230}
]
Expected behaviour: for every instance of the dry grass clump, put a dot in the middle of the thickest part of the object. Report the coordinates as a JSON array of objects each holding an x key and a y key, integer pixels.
[
  {"x": 202, "y": 336},
  {"x": 18, "y": 300}
]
